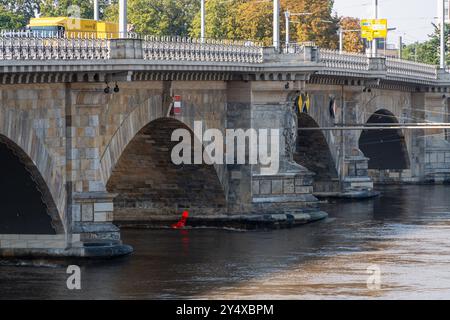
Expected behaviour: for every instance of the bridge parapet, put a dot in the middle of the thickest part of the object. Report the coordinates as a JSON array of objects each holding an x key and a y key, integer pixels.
[{"x": 42, "y": 54}]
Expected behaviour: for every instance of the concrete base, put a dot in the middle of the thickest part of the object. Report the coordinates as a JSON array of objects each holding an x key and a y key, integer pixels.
[
  {"x": 239, "y": 222},
  {"x": 353, "y": 195},
  {"x": 97, "y": 250}
]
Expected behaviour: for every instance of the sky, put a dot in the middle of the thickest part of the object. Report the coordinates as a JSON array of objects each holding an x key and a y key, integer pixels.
[{"x": 412, "y": 18}]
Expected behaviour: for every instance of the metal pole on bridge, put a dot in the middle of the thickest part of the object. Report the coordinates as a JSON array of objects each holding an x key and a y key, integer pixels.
[
  {"x": 375, "y": 16},
  {"x": 276, "y": 24},
  {"x": 287, "y": 15},
  {"x": 442, "y": 51},
  {"x": 123, "y": 29},
  {"x": 96, "y": 14},
  {"x": 202, "y": 17}
]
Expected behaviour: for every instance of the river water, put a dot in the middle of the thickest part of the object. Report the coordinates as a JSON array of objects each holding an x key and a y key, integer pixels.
[{"x": 404, "y": 234}]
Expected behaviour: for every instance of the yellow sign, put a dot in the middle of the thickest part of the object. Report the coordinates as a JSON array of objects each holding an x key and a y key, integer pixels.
[{"x": 374, "y": 29}]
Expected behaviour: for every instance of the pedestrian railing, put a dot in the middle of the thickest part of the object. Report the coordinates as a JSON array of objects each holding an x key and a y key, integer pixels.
[
  {"x": 28, "y": 45},
  {"x": 349, "y": 61},
  {"x": 209, "y": 50},
  {"x": 410, "y": 69},
  {"x": 37, "y": 48}
]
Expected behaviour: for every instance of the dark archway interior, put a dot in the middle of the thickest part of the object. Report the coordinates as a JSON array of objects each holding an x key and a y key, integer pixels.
[
  {"x": 313, "y": 152},
  {"x": 148, "y": 183},
  {"x": 385, "y": 148},
  {"x": 22, "y": 209}
]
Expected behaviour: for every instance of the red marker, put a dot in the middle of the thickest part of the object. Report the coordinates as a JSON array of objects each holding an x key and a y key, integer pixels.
[{"x": 182, "y": 223}]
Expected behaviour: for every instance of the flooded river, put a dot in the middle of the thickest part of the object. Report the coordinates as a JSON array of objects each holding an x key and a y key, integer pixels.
[{"x": 404, "y": 234}]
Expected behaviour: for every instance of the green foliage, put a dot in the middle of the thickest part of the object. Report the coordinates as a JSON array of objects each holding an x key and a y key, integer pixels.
[
  {"x": 62, "y": 8},
  {"x": 226, "y": 19},
  {"x": 428, "y": 51},
  {"x": 158, "y": 17},
  {"x": 10, "y": 20}
]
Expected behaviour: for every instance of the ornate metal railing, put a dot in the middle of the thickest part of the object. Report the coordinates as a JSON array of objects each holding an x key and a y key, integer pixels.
[
  {"x": 56, "y": 48},
  {"x": 188, "y": 49},
  {"x": 411, "y": 69},
  {"x": 27, "y": 45},
  {"x": 349, "y": 61}
]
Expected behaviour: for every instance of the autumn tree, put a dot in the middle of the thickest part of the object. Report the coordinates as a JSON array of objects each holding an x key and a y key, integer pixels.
[
  {"x": 321, "y": 26},
  {"x": 352, "y": 34},
  {"x": 253, "y": 19}
]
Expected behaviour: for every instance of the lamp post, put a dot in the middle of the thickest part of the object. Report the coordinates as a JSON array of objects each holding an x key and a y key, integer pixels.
[
  {"x": 96, "y": 14},
  {"x": 202, "y": 17},
  {"x": 442, "y": 51},
  {"x": 374, "y": 41},
  {"x": 123, "y": 18},
  {"x": 276, "y": 24}
]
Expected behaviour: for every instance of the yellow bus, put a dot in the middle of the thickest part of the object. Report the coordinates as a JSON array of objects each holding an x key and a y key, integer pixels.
[{"x": 73, "y": 27}]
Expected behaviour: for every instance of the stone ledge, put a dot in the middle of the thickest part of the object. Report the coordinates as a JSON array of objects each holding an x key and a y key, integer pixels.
[
  {"x": 94, "y": 251},
  {"x": 238, "y": 222}
]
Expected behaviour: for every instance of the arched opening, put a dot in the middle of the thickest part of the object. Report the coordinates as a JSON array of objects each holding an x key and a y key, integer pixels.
[
  {"x": 150, "y": 186},
  {"x": 26, "y": 206},
  {"x": 386, "y": 149},
  {"x": 313, "y": 153}
]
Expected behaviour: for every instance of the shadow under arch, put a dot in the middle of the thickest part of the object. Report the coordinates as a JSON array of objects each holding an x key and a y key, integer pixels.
[
  {"x": 386, "y": 149},
  {"x": 313, "y": 152},
  {"x": 148, "y": 184},
  {"x": 26, "y": 204}
]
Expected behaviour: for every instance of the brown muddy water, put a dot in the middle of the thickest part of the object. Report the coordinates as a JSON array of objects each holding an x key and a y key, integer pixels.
[{"x": 405, "y": 234}]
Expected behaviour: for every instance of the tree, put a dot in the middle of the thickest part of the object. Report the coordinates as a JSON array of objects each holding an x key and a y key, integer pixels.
[
  {"x": 352, "y": 39},
  {"x": 252, "y": 20},
  {"x": 428, "y": 51},
  {"x": 10, "y": 20},
  {"x": 221, "y": 20},
  {"x": 64, "y": 8},
  {"x": 158, "y": 17},
  {"x": 320, "y": 27},
  {"x": 20, "y": 11}
]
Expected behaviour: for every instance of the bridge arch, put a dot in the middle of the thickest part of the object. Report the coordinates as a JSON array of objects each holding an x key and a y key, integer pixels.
[
  {"x": 149, "y": 184},
  {"x": 166, "y": 189},
  {"x": 313, "y": 152},
  {"x": 26, "y": 203},
  {"x": 386, "y": 149}
]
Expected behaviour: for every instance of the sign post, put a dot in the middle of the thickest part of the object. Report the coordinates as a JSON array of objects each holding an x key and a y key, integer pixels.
[{"x": 372, "y": 29}]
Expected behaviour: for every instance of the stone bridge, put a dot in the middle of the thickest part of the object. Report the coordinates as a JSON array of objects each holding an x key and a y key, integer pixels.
[{"x": 86, "y": 124}]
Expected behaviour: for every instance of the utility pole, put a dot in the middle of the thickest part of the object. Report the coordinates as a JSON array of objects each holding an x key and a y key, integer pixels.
[
  {"x": 287, "y": 15},
  {"x": 96, "y": 15},
  {"x": 341, "y": 40},
  {"x": 276, "y": 24},
  {"x": 375, "y": 16},
  {"x": 123, "y": 29},
  {"x": 442, "y": 53},
  {"x": 400, "y": 47},
  {"x": 203, "y": 17}
]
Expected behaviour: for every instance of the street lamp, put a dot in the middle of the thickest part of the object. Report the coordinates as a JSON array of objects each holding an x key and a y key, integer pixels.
[
  {"x": 123, "y": 18},
  {"x": 276, "y": 24},
  {"x": 202, "y": 27},
  {"x": 96, "y": 15}
]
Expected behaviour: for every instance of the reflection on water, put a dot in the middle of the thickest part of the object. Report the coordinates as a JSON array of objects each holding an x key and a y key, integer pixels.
[{"x": 406, "y": 233}]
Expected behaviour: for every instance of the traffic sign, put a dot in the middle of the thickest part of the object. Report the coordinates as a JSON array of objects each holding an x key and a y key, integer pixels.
[{"x": 374, "y": 29}]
